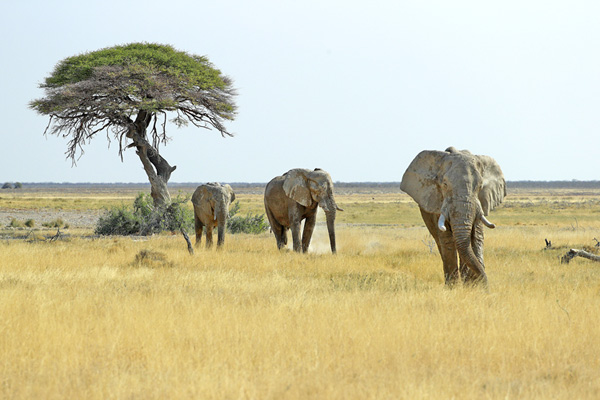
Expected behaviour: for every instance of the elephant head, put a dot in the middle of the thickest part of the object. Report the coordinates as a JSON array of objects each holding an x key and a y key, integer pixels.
[
  {"x": 312, "y": 188},
  {"x": 459, "y": 189},
  {"x": 218, "y": 197}
]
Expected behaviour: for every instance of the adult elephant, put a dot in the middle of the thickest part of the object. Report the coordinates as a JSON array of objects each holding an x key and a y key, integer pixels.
[
  {"x": 455, "y": 191},
  {"x": 211, "y": 208},
  {"x": 293, "y": 197}
]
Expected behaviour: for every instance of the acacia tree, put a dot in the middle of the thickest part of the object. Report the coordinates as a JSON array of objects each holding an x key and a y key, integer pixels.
[{"x": 130, "y": 92}]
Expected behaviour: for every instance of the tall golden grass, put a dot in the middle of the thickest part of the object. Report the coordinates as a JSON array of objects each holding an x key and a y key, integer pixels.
[{"x": 86, "y": 318}]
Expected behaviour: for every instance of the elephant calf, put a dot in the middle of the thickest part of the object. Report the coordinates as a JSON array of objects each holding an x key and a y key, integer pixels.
[
  {"x": 293, "y": 197},
  {"x": 211, "y": 208}
]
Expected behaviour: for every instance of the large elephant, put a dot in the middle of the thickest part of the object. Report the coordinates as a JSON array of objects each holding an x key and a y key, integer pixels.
[
  {"x": 455, "y": 191},
  {"x": 293, "y": 197},
  {"x": 211, "y": 208}
]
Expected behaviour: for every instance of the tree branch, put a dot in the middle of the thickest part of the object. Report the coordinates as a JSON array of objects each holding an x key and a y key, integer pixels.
[{"x": 578, "y": 253}]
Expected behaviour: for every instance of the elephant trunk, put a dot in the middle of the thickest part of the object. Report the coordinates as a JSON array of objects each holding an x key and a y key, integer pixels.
[
  {"x": 330, "y": 218},
  {"x": 330, "y": 207},
  {"x": 463, "y": 239}
]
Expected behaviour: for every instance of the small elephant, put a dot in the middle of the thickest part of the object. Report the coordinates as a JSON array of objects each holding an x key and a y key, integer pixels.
[
  {"x": 293, "y": 197},
  {"x": 211, "y": 208},
  {"x": 455, "y": 191}
]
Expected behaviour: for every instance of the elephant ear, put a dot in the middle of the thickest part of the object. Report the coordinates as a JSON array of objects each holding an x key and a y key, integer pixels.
[
  {"x": 493, "y": 187},
  {"x": 230, "y": 193},
  {"x": 421, "y": 182},
  {"x": 295, "y": 186}
]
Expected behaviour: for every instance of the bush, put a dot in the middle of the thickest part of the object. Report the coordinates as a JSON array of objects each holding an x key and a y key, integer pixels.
[
  {"x": 18, "y": 185},
  {"x": 7, "y": 185},
  {"x": 57, "y": 223},
  {"x": 254, "y": 224},
  {"x": 151, "y": 259},
  {"x": 15, "y": 223},
  {"x": 145, "y": 219},
  {"x": 118, "y": 221},
  {"x": 29, "y": 223}
]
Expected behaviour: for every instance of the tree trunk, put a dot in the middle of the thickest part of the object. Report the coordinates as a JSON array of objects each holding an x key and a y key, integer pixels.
[{"x": 156, "y": 167}]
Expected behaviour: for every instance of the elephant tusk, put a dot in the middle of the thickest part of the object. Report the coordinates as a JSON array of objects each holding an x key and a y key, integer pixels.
[
  {"x": 486, "y": 222},
  {"x": 442, "y": 222}
]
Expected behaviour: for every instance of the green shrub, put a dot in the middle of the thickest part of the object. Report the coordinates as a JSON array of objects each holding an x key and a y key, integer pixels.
[
  {"x": 254, "y": 224},
  {"x": 145, "y": 219},
  {"x": 29, "y": 223},
  {"x": 118, "y": 221}
]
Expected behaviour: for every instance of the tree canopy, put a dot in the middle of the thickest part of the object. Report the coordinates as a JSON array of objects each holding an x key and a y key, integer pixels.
[{"x": 129, "y": 89}]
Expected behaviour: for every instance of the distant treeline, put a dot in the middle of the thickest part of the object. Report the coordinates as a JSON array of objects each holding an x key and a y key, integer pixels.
[
  {"x": 553, "y": 184},
  {"x": 342, "y": 185},
  {"x": 509, "y": 184}
]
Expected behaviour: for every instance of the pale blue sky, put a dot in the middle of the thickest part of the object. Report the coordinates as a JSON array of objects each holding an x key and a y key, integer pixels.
[{"x": 357, "y": 88}]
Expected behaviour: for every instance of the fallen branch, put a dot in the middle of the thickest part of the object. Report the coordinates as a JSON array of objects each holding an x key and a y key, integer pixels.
[
  {"x": 187, "y": 239},
  {"x": 578, "y": 253},
  {"x": 57, "y": 236}
]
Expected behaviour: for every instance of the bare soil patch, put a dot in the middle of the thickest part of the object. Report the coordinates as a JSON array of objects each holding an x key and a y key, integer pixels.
[{"x": 72, "y": 218}]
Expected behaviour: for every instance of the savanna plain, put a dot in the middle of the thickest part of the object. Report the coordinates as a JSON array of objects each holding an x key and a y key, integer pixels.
[{"x": 83, "y": 316}]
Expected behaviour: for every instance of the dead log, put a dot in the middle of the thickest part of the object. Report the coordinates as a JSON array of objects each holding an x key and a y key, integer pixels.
[{"x": 578, "y": 253}]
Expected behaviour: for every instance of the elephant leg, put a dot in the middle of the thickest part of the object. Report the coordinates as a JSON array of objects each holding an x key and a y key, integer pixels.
[
  {"x": 309, "y": 226},
  {"x": 446, "y": 247},
  {"x": 295, "y": 227},
  {"x": 209, "y": 236},
  {"x": 199, "y": 226},
  {"x": 449, "y": 257},
  {"x": 278, "y": 230}
]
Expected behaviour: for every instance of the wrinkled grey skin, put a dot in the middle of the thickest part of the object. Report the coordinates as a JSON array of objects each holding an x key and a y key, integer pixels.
[
  {"x": 211, "y": 208},
  {"x": 294, "y": 197},
  {"x": 455, "y": 191}
]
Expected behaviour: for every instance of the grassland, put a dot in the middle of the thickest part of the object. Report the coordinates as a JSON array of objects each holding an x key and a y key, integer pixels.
[{"x": 85, "y": 317}]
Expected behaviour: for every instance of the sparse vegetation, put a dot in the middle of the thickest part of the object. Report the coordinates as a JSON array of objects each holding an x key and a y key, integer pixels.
[
  {"x": 56, "y": 223},
  {"x": 120, "y": 317},
  {"x": 145, "y": 219},
  {"x": 15, "y": 223},
  {"x": 251, "y": 223}
]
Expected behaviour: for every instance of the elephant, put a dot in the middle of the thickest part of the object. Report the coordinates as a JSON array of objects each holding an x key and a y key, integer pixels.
[
  {"x": 293, "y": 197},
  {"x": 211, "y": 208},
  {"x": 455, "y": 191}
]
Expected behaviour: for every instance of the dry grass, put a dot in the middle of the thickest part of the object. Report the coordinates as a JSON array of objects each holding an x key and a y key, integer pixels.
[{"x": 99, "y": 318}]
